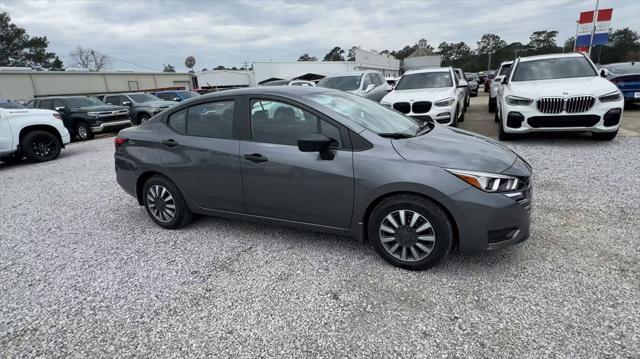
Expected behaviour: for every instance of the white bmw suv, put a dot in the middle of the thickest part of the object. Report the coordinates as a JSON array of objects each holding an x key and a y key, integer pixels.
[
  {"x": 558, "y": 92},
  {"x": 429, "y": 94}
]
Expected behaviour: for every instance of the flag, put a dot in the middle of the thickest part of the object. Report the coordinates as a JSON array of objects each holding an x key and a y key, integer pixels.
[{"x": 585, "y": 25}]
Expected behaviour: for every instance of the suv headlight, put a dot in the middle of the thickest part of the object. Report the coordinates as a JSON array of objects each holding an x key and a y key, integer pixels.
[
  {"x": 93, "y": 114},
  {"x": 610, "y": 97},
  {"x": 518, "y": 101},
  {"x": 488, "y": 182},
  {"x": 445, "y": 102}
]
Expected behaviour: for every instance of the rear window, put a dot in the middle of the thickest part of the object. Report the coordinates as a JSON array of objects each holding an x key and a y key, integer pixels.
[{"x": 558, "y": 68}]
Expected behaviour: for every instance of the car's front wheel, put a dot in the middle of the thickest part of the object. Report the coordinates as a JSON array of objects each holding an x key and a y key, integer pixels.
[
  {"x": 410, "y": 231},
  {"x": 83, "y": 131},
  {"x": 40, "y": 146},
  {"x": 143, "y": 118},
  {"x": 164, "y": 203}
]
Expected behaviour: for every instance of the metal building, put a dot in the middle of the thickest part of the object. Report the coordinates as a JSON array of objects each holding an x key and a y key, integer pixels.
[{"x": 18, "y": 84}]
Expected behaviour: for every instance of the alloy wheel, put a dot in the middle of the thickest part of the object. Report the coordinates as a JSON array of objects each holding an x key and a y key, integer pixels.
[
  {"x": 407, "y": 235},
  {"x": 43, "y": 146},
  {"x": 161, "y": 203},
  {"x": 83, "y": 133}
]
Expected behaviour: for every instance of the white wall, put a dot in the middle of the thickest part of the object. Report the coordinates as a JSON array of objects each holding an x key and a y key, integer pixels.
[{"x": 226, "y": 78}]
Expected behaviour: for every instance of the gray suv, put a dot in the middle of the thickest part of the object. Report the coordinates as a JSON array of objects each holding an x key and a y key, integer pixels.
[
  {"x": 328, "y": 161},
  {"x": 142, "y": 106},
  {"x": 368, "y": 84}
]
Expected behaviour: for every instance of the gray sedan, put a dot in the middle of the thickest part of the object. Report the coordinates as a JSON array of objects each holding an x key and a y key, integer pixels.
[{"x": 329, "y": 161}]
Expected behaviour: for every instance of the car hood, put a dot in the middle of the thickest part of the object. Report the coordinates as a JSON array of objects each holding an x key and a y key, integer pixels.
[
  {"x": 594, "y": 86},
  {"x": 434, "y": 94},
  {"x": 99, "y": 108},
  {"x": 454, "y": 148},
  {"x": 159, "y": 103}
]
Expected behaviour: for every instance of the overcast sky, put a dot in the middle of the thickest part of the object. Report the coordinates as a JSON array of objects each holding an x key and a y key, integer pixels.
[{"x": 229, "y": 33}]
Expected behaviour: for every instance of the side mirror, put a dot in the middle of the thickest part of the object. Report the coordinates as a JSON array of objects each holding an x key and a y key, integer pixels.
[
  {"x": 504, "y": 80},
  {"x": 177, "y": 99},
  {"x": 603, "y": 73},
  {"x": 61, "y": 109},
  {"x": 463, "y": 83},
  {"x": 126, "y": 103},
  {"x": 369, "y": 88},
  {"x": 316, "y": 142}
]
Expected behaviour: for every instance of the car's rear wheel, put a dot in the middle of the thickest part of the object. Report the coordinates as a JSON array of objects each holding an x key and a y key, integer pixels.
[
  {"x": 605, "y": 136},
  {"x": 164, "y": 203},
  {"x": 83, "y": 131},
  {"x": 40, "y": 146},
  {"x": 410, "y": 231}
]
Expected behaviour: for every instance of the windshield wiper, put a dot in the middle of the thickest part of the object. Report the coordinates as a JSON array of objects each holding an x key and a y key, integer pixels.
[{"x": 395, "y": 135}]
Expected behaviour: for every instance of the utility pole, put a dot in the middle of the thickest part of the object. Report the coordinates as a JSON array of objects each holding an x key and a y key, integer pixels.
[
  {"x": 490, "y": 49},
  {"x": 593, "y": 28},
  {"x": 575, "y": 38}
]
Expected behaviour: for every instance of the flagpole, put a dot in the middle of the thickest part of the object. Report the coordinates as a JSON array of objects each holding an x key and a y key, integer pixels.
[
  {"x": 575, "y": 39},
  {"x": 593, "y": 29}
]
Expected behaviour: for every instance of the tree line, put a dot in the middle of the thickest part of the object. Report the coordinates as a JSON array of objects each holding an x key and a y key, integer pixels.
[{"x": 624, "y": 45}]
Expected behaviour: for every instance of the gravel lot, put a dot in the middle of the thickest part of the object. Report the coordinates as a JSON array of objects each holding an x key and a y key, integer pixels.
[{"x": 84, "y": 272}]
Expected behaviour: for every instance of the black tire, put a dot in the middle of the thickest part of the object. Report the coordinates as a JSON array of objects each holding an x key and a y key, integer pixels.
[
  {"x": 83, "y": 131},
  {"x": 182, "y": 214},
  {"x": 605, "y": 136},
  {"x": 496, "y": 118},
  {"x": 142, "y": 118},
  {"x": 504, "y": 136},
  {"x": 466, "y": 106},
  {"x": 441, "y": 229},
  {"x": 461, "y": 119},
  {"x": 492, "y": 106},
  {"x": 40, "y": 146},
  {"x": 454, "y": 122}
]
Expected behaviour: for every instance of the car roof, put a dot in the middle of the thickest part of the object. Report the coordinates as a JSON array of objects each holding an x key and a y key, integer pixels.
[
  {"x": 58, "y": 97},
  {"x": 550, "y": 56},
  {"x": 432, "y": 69},
  {"x": 288, "y": 91}
]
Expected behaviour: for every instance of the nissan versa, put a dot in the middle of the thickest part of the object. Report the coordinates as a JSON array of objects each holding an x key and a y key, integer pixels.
[{"x": 331, "y": 161}]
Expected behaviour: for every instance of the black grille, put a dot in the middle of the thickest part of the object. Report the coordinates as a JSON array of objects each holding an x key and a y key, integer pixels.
[
  {"x": 421, "y": 107},
  {"x": 563, "y": 121},
  {"x": 501, "y": 235},
  {"x": 423, "y": 118},
  {"x": 571, "y": 105},
  {"x": 403, "y": 107}
]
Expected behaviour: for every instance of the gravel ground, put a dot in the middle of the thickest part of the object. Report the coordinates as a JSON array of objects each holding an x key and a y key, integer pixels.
[{"x": 84, "y": 272}]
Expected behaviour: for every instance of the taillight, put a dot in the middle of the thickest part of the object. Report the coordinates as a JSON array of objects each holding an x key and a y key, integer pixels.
[
  {"x": 57, "y": 115},
  {"x": 119, "y": 141}
]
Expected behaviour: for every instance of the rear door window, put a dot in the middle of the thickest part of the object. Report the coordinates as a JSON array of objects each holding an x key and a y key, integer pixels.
[
  {"x": 46, "y": 104},
  {"x": 112, "y": 100},
  {"x": 212, "y": 119}
]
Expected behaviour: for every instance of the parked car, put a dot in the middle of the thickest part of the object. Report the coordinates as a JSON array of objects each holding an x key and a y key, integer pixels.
[
  {"x": 329, "y": 161},
  {"x": 142, "y": 106},
  {"x": 495, "y": 83},
  {"x": 175, "y": 95},
  {"x": 558, "y": 92},
  {"x": 85, "y": 116},
  {"x": 289, "y": 83},
  {"x": 391, "y": 81},
  {"x": 462, "y": 78},
  {"x": 368, "y": 84},
  {"x": 429, "y": 94},
  {"x": 474, "y": 83},
  {"x": 38, "y": 135},
  {"x": 625, "y": 75}
]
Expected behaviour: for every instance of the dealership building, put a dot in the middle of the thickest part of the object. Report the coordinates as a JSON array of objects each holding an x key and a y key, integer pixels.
[{"x": 25, "y": 84}]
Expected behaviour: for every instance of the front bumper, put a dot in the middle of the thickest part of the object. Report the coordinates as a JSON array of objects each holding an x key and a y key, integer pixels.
[
  {"x": 533, "y": 120},
  {"x": 441, "y": 115},
  {"x": 110, "y": 125},
  {"x": 489, "y": 221}
]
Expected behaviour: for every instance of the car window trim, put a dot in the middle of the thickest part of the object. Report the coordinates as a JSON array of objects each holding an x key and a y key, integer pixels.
[
  {"x": 345, "y": 140},
  {"x": 235, "y": 130}
]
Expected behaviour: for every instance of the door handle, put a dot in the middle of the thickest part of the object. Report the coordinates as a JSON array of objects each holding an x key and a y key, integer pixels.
[
  {"x": 256, "y": 158},
  {"x": 170, "y": 143}
]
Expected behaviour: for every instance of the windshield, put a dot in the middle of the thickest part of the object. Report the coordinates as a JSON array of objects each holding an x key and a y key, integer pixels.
[
  {"x": 623, "y": 69},
  {"x": 370, "y": 115},
  {"x": 424, "y": 80},
  {"x": 10, "y": 105},
  {"x": 558, "y": 68},
  {"x": 75, "y": 102},
  {"x": 343, "y": 83},
  {"x": 188, "y": 94},
  {"x": 143, "y": 97}
]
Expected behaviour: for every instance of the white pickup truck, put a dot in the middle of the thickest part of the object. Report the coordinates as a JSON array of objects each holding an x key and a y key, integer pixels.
[{"x": 38, "y": 135}]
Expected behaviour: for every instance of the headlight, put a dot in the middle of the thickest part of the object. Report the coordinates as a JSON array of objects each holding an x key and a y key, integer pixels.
[
  {"x": 93, "y": 114},
  {"x": 488, "y": 182},
  {"x": 610, "y": 97},
  {"x": 518, "y": 101},
  {"x": 445, "y": 102}
]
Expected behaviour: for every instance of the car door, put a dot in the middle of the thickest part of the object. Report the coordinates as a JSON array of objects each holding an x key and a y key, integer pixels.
[
  {"x": 460, "y": 95},
  {"x": 199, "y": 148},
  {"x": 282, "y": 182}
]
